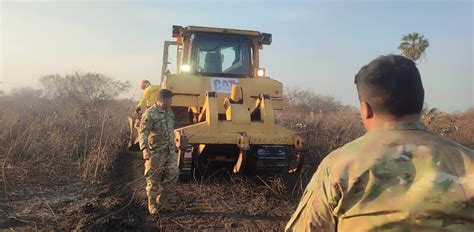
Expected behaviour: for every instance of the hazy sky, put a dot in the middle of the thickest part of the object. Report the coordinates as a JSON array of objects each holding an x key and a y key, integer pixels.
[{"x": 319, "y": 45}]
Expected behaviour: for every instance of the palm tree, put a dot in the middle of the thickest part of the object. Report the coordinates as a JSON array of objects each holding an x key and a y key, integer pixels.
[{"x": 413, "y": 46}]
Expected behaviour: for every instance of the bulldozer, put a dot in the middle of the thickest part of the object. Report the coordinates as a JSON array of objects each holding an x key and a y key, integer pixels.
[{"x": 225, "y": 105}]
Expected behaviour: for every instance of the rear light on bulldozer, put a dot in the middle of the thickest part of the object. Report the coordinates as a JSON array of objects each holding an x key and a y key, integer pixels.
[
  {"x": 261, "y": 72},
  {"x": 185, "y": 68}
]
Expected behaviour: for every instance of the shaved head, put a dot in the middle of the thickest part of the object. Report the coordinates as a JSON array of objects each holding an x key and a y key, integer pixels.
[{"x": 391, "y": 85}]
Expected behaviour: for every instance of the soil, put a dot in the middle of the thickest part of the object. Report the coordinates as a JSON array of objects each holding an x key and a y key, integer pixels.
[{"x": 218, "y": 202}]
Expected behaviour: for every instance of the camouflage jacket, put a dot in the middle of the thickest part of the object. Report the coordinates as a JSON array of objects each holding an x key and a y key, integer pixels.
[
  {"x": 398, "y": 177},
  {"x": 156, "y": 129}
]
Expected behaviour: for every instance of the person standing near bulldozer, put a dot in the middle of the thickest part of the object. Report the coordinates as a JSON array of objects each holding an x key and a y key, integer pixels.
[
  {"x": 149, "y": 97},
  {"x": 398, "y": 176},
  {"x": 159, "y": 151}
]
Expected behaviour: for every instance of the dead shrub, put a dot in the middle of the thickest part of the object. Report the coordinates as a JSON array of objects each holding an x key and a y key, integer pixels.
[
  {"x": 86, "y": 86},
  {"x": 325, "y": 125},
  {"x": 457, "y": 126},
  {"x": 52, "y": 141}
]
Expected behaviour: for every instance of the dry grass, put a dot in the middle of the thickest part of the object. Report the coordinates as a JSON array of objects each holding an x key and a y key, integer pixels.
[
  {"x": 54, "y": 140},
  {"x": 249, "y": 195},
  {"x": 457, "y": 126},
  {"x": 324, "y": 123},
  {"x": 51, "y": 150},
  {"x": 465, "y": 128}
]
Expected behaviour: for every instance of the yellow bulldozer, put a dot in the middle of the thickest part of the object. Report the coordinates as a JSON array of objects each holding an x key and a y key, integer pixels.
[{"x": 224, "y": 104}]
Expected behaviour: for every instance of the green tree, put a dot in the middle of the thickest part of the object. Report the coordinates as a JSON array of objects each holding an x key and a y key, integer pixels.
[{"x": 413, "y": 46}]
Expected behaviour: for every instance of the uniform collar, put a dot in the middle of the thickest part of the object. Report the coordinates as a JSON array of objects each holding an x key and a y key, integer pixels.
[
  {"x": 160, "y": 110},
  {"x": 390, "y": 126}
]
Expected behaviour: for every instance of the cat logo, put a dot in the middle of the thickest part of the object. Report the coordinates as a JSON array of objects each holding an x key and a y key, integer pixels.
[{"x": 222, "y": 84}]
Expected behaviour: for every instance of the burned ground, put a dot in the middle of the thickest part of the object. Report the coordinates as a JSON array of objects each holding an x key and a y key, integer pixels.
[
  {"x": 215, "y": 202},
  {"x": 208, "y": 204}
]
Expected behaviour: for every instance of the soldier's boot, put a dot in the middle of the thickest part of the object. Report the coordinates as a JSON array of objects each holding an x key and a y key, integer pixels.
[
  {"x": 162, "y": 200},
  {"x": 152, "y": 208}
]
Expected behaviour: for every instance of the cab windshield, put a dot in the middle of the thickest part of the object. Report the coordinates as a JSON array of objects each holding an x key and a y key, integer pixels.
[{"x": 222, "y": 55}]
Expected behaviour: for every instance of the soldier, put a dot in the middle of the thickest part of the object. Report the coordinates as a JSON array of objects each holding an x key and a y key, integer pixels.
[
  {"x": 157, "y": 144},
  {"x": 398, "y": 176},
  {"x": 150, "y": 95}
]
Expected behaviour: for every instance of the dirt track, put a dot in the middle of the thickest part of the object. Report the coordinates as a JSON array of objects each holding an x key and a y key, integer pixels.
[{"x": 216, "y": 203}]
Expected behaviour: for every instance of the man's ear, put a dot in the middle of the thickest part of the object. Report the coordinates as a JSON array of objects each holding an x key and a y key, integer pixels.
[{"x": 366, "y": 110}]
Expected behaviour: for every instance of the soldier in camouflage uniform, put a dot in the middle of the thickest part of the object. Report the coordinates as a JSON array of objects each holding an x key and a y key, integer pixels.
[
  {"x": 398, "y": 176},
  {"x": 157, "y": 143}
]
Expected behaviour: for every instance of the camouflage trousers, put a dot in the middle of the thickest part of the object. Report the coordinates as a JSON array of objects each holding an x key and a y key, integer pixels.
[{"x": 161, "y": 173}]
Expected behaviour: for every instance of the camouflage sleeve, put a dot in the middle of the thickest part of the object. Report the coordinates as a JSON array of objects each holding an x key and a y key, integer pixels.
[
  {"x": 314, "y": 212},
  {"x": 172, "y": 137},
  {"x": 145, "y": 127},
  {"x": 145, "y": 96}
]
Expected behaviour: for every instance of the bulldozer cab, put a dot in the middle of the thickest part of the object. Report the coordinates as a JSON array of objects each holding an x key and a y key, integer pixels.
[
  {"x": 221, "y": 55},
  {"x": 212, "y": 52}
]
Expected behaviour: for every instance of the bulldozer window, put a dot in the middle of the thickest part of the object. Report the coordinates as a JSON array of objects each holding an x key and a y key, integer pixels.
[{"x": 222, "y": 55}]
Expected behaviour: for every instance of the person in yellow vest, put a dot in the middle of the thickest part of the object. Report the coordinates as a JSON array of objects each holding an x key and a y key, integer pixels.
[{"x": 149, "y": 97}]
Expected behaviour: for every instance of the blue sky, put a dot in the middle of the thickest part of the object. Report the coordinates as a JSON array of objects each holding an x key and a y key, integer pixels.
[{"x": 316, "y": 44}]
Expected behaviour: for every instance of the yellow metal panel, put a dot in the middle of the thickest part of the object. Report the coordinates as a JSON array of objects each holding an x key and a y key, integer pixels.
[
  {"x": 211, "y": 115},
  {"x": 185, "y": 100},
  {"x": 232, "y": 138},
  {"x": 253, "y": 87},
  {"x": 238, "y": 113},
  {"x": 277, "y": 104},
  {"x": 268, "y": 115},
  {"x": 229, "y": 133},
  {"x": 186, "y": 84},
  {"x": 190, "y": 87}
]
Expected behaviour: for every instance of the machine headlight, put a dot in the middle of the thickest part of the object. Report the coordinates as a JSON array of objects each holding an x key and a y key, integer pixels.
[
  {"x": 185, "y": 68},
  {"x": 261, "y": 72}
]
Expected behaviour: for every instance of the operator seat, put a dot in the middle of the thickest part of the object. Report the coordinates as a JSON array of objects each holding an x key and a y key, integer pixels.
[{"x": 213, "y": 63}]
